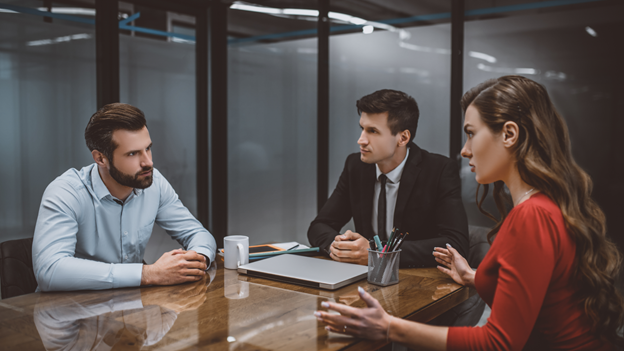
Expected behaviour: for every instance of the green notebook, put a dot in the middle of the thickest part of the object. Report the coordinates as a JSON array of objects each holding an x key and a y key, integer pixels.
[{"x": 275, "y": 253}]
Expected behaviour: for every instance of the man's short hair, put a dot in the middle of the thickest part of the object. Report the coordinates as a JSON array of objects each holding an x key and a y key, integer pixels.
[
  {"x": 402, "y": 109},
  {"x": 112, "y": 117}
]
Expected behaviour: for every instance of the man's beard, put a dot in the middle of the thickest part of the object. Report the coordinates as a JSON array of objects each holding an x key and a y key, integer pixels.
[{"x": 132, "y": 181}]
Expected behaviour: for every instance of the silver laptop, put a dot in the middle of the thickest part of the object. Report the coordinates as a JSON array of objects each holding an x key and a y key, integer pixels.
[{"x": 308, "y": 271}]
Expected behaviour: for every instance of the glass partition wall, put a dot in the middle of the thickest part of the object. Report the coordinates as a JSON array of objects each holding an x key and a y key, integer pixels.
[
  {"x": 271, "y": 124},
  {"x": 47, "y": 94}
]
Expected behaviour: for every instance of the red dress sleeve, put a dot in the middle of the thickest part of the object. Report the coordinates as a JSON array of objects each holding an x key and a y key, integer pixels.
[{"x": 515, "y": 280}]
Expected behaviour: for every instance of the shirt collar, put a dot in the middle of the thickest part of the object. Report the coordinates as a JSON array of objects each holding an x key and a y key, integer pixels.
[
  {"x": 394, "y": 176},
  {"x": 100, "y": 189}
]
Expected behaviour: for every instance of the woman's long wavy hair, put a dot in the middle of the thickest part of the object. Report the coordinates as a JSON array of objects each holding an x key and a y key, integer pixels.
[{"x": 545, "y": 162}]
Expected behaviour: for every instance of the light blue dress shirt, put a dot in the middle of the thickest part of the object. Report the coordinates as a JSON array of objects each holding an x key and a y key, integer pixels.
[{"x": 87, "y": 239}]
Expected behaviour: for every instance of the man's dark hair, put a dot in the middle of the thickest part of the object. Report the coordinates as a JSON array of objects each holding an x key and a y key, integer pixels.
[
  {"x": 112, "y": 117},
  {"x": 402, "y": 109}
]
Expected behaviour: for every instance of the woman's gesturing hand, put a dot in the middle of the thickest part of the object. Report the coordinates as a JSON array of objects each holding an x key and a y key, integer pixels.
[
  {"x": 454, "y": 265},
  {"x": 371, "y": 322}
]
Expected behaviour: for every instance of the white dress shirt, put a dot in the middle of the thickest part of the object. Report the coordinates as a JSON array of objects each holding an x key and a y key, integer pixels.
[{"x": 392, "y": 191}]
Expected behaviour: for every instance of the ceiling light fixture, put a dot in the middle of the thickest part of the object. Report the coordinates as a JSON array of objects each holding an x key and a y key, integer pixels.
[
  {"x": 58, "y": 39},
  {"x": 591, "y": 31},
  {"x": 300, "y": 12},
  {"x": 482, "y": 56},
  {"x": 337, "y": 16},
  {"x": 507, "y": 70},
  {"x": 255, "y": 8},
  {"x": 70, "y": 10}
]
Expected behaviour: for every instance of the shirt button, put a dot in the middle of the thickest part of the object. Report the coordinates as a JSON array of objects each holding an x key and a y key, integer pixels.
[
  {"x": 125, "y": 233},
  {"x": 126, "y": 257}
]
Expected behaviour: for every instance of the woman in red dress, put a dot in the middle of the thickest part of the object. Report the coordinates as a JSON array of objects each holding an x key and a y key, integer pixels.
[{"x": 549, "y": 275}]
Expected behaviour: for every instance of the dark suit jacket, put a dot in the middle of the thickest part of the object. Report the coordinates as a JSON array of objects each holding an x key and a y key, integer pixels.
[{"x": 429, "y": 206}]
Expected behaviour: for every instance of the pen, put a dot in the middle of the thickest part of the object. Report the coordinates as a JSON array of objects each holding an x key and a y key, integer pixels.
[
  {"x": 294, "y": 247},
  {"x": 377, "y": 242},
  {"x": 396, "y": 241},
  {"x": 389, "y": 243},
  {"x": 401, "y": 242}
]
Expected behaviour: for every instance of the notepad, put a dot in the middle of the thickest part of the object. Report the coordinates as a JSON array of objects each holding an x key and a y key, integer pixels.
[{"x": 269, "y": 248}]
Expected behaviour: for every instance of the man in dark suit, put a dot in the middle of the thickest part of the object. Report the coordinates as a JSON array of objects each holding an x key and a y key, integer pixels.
[{"x": 422, "y": 190}]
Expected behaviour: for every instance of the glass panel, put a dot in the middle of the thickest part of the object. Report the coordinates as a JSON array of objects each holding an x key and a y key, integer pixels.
[
  {"x": 47, "y": 94},
  {"x": 157, "y": 75},
  {"x": 575, "y": 52},
  {"x": 271, "y": 128}
]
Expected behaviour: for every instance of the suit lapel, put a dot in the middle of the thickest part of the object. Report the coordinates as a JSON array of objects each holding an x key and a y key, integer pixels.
[
  {"x": 408, "y": 179},
  {"x": 368, "y": 193}
]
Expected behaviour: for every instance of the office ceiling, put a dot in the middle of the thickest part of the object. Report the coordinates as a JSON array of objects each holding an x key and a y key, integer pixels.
[{"x": 245, "y": 23}]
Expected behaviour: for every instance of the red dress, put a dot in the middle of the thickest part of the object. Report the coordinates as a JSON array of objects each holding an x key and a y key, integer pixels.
[{"x": 527, "y": 280}]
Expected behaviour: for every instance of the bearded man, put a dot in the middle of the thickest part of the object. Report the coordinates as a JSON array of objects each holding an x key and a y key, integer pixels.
[{"x": 94, "y": 223}]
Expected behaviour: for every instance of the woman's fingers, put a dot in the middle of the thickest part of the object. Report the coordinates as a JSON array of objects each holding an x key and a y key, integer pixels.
[
  {"x": 334, "y": 319},
  {"x": 370, "y": 301},
  {"x": 441, "y": 261},
  {"x": 453, "y": 252},
  {"x": 340, "y": 308},
  {"x": 341, "y": 330},
  {"x": 439, "y": 254},
  {"x": 338, "y": 323},
  {"x": 443, "y": 254}
]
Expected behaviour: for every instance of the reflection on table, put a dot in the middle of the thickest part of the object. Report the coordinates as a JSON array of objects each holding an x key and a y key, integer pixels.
[
  {"x": 224, "y": 311},
  {"x": 99, "y": 320}
]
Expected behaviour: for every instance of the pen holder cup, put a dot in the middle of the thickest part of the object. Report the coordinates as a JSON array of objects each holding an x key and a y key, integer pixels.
[{"x": 383, "y": 268}]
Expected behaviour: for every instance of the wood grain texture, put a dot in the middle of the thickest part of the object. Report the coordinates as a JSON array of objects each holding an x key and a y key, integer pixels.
[{"x": 225, "y": 311}]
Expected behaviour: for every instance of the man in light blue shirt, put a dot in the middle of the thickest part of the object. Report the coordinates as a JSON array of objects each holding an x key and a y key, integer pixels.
[{"x": 94, "y": 223}]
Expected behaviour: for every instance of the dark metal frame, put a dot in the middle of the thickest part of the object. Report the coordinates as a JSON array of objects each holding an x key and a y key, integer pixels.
[
  {"x": 107, "y": 51},
  {"x": 217, "y": 53},
  {"x": 202, "y": 83},
  {"x": 322, "y": 139},
  {"x": 457, "y": 77}
]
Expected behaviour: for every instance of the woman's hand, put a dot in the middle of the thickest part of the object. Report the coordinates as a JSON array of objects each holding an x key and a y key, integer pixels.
[
  {"x": 456, "y": 266},
  {"x": 371, "y": 322}
]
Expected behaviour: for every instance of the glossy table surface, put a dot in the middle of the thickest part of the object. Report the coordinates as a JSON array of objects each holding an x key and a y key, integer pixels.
[{"x": 224, "y": 311}]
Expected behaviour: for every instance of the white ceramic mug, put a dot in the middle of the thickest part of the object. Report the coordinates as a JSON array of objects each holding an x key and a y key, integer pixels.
[{"x": 235, "y": 251}]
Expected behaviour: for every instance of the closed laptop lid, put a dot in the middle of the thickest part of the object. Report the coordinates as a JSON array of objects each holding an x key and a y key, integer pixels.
[{"x": 308, "y": 271}]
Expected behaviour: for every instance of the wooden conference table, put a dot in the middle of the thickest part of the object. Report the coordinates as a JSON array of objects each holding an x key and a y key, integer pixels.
[{"x": 224, "y": 311}]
